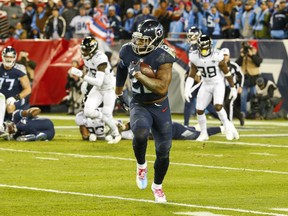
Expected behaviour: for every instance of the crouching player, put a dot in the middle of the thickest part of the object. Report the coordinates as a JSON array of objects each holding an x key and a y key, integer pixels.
[
  {"x": 30, "y": 127},
  {"x": 93, "y": 129}
]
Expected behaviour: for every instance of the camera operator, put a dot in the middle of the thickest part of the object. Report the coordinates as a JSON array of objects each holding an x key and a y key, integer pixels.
[
  {"x": 267, "y": 97},
  {"x": 74, "y": 96},
  {"x": 250, "y": 61}
]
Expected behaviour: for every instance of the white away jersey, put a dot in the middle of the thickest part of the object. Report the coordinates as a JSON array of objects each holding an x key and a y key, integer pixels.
[
  {"x": 92, "y": 64},
  {"x": 208, "y": 66}
]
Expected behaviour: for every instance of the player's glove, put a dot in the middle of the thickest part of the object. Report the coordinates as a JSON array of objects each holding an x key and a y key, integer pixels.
[
  {"x": 84, "y": 86},
  {"x": 187, "y": 90},
  {"x": 133, "y": 68},
  {"x": 12, "y": 100},
  {"x": 233, "y": 93},
  {"x": 121, "y": 102},
  {"x": 76, "y": 72}
]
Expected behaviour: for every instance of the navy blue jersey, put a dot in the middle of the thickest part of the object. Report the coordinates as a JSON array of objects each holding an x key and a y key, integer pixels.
[
  {"x": 161, "y": 55},
  {"x": 33, "y": 125},
  {"x": 10, "y": 81}
]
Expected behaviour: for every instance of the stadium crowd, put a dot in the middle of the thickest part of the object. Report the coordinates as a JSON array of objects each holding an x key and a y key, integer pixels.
[{"x": 117, "y": 19}]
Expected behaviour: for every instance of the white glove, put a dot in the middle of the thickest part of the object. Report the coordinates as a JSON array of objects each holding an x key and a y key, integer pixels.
[
  {"x": 233, "y": 93},
  {"x": 10, "y": 100},
  {"x": 84, "y": 87},
  {"x": 76, "y": 72},
  {"x": 187, "y": 90}
]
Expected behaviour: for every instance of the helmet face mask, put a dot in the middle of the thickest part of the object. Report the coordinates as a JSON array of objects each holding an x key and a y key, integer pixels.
[
  {"x": 89, "y": 47},
  {"x": 148, "y": 37},
  {"x": 204, "y": 45},
  {"x": 9, "y": 57},
  {"x": 193, "y": 35}
]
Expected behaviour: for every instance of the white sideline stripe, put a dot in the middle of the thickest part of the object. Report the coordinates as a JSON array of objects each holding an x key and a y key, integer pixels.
[
  {"x": 264, "y": 135},
  {"x": 248, "y": 144},
  {"x": 197, "y": 214},
  {"x": 262, "y": 153},
  {"x": 130, "y": 159},
  {"x": 46, "y": 158},
  {"x": 280, "y": 209},
  {"x": 138, "y": 200}
]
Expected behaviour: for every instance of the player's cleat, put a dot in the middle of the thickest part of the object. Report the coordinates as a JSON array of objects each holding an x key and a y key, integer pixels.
[
  {"x": 3, "y": 131},
  {"x": 203, "y": 137},
  {"x": 159, "y": 195},
  {"x": 26, "y": 138},
  {"x": 115, "y": 139},
  {"x": 41, "y": 137},
  {"x": 141, "y": 178},
  {"x": 229, "y": 134},
  {"x": 242, "y": 119},
  {"x": 235, "y": 133}
]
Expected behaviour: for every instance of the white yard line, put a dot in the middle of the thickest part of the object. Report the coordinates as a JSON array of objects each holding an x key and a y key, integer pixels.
[
  {"x": 47, "y": 158},
  {"x": 138, "y": 200},
  {"x": 130, "y": 159},
  {"x": 247, "y": 144}
]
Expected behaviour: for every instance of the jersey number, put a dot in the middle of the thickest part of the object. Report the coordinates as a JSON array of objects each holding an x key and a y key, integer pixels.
[
  {"x": 11, "y": 81},
  {"x": 208, "y": 72}
]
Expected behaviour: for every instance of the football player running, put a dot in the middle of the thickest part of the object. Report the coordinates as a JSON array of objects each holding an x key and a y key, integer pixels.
[
  {"x": 149, "y": 107},
  {"x": 14, "y": 88},
  {"x": 208, "y": 63},
  {"x": 101, "y": 77}
]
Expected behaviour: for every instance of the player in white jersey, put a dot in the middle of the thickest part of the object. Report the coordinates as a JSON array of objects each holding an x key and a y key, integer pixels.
[
  {"x": 209, "y": 64},
  {"x": 101, "y": 77},
  {"x": 95, "y": 129}
]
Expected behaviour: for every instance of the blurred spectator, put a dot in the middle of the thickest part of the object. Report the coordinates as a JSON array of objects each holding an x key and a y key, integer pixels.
[
  {"x": 115, "y": 22},
  {"x": 165, "y": 16},
  {"x": 50, "y": 5},
  {"x": 250, "y": 61},
  {"x": 68, "y": 14},
  {"x": 39, "y": 19},
  {"x": 176, "y": 26},
  {"x": 20, "y": 32},
  {"x": 261, "y": 25},
  {"x": 145, "y": 3},
  {"x": 27, "y": 18},
  {"x": 235, "y": 17},
  {"x": 14, "y": 12},
  {"x": 78, "y": 24},
  {"x": 74, "y": 96},
  {"x": 204, "y": 12},
  {"x": 125, "y": 5},
  {"x": 218, "y": 22},
  {"x": 88, "y": 8},
  {"x": 128, "y": 24},
  {"x": 191, "y": 17},
  {"x": 225, "y": 5},
  {"x": 4, "y": 25},
  {"x": 60, "y": 5},
  {"x": 279, "y": 21},
  {"x": 141, "y": 17},
  {"x": 268, "y": 97},
  {"x": 137, "y": 7},
  {"x": 246, "y": 19},
  {"x": 55, "y": 26},
  {"x": 115, "y": 4}
]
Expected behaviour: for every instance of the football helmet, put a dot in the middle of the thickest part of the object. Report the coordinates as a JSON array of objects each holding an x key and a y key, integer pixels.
[
  {"x": 9, "y": 56},
  {"x": 204, "y": 45},
  {"x": 193, "y": 34},
  {"x": 89, "y": 47},
  {"x": 148, "y": 37}
]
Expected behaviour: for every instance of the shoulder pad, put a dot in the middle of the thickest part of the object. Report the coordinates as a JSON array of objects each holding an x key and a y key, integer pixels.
[{"x": 168, "y": 49}]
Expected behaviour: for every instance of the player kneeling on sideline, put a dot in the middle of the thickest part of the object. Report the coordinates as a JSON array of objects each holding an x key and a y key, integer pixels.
[{"x": 30, "y": 127}]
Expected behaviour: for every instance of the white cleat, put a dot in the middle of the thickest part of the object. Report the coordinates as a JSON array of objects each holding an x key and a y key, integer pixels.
[
  {"x": 115, "y": 139},
  {"x": 141, "y": 178},
  {"x": 202, "y": 137},
  {"x": 159, "y": 195},
  {"x": 235, "y": 134},
  {"x": 229, "y": 134}
]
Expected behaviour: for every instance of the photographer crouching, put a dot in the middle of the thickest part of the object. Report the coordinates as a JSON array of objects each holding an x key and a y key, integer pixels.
[{"x": 249, "y": 61}]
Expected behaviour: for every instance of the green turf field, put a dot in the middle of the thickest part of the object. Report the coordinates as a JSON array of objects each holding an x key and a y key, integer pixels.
[{"x": 68, "y": 176}]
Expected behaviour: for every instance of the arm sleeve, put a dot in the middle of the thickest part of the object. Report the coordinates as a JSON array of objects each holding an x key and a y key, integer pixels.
[
  {"x": 121, "y": 75},
  {"x": 98, "y": 81},
  {"x": 256, "y": 59}
]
